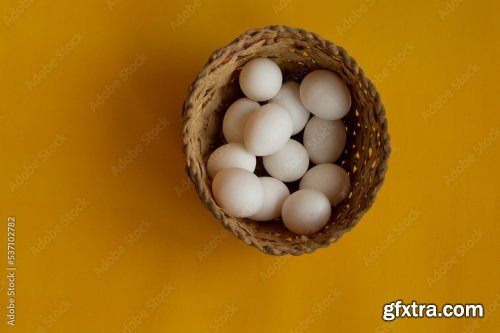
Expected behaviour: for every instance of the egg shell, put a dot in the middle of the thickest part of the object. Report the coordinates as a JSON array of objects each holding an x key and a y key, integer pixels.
[
  {"x": 275, "y": 194},
  {"x": 289, "y": 163},
  {"x": 306, "y": 211},
  {"x": 289, "y": 98},
  {"x": 230, "y": 155},
  {"x": 238, "y": 191},
  {"x": 330, "y": 179},
  {"x": 325, "y": 94},
  {"x": 260, "y": 79},
  {"x": 267, "y": 129},
  {"x": 235, "y": 119},
  {"x": 324, "y": 140}
]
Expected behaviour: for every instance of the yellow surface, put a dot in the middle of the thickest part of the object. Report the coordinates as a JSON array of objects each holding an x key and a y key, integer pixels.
[{"x": 112, "y": 238}]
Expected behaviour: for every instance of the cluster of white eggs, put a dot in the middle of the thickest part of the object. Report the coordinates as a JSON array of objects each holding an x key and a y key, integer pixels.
[{"x": 252, "y": 130}]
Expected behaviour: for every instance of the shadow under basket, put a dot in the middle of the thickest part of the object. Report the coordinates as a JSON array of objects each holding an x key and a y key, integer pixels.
[{"x": 297, "y": 52}]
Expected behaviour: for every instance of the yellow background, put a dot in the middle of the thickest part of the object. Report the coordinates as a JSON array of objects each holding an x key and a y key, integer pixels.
[{"x": 436, "y": 68}]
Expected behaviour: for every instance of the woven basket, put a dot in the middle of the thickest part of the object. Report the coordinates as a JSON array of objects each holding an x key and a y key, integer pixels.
[{"x": 297, "y": 52}]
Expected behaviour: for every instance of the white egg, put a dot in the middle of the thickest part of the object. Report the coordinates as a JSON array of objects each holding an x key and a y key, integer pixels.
[
  {"x": 330, "y": 179},
  {"x": 267, "y": 129},
  {"x": 289, "y": 98},
  {"x": 306, "y": 211},
  {"x": 260, "y": 79},
  {"x": 325, "y": 94},
  {"x": 289, "y": 163},
  {"x": 231, "y": 155},
  {"x": 324, "y": 140},
  {"x": 238, "y": 191},
  {"x": 275, "y": 194},
  {"x": 236, "y": 117}
]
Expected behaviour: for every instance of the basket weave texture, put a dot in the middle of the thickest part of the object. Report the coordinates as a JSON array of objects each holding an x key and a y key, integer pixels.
[{"x": 297, "y": 52}]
